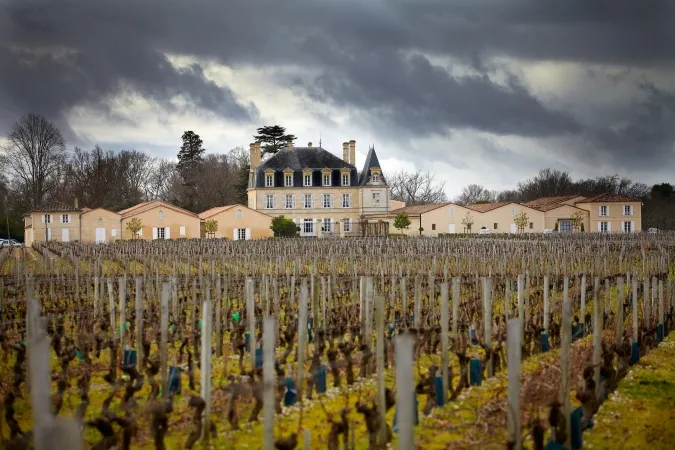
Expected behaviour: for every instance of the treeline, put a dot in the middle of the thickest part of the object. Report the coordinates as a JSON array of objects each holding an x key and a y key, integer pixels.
[{"x": 36, "y": 168}]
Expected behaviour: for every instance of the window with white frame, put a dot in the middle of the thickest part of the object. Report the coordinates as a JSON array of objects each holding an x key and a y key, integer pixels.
[
  {"x": 113, "y": 232},
  {"x": 604, "y": 210},
  {"x": 347, "y": 225},
  {"x": 376, "y": 199},
  {"x": 269, "y": 180},
  {"x": 326, "y": 200},
  {"x": 240, "y": 214},
  {"x": 513, "y": 212},
  {"x": 241, "y": 234},
  {"x": 604, "y": 227},
  {"x": 288, "y": 180},
  {"x": 346, "y": 200},
  {"x": 160, "y": 233},
  {"x": 326, "y": 226},
  {"x": 269, "y": 201},
  {"x": 181, "y": 231},
  {"x": 452, "y": 211},
  {"x": 307, "y": 201},
  {"x": 47, "y": 218},
  {"x": 308, "y": 226},
  {"x": 626, "y": 227},
  {"x": 288, "y": 201},
  {"x": 627, "y": 210},
  {"x": 326, "y": 179},
  {"x": 65, "y": 218},
  {"x": 375, "y": 178},
  {"x": 345, "y": 179},
  {"x": 160, "y": 215},
  {"x": 307, "y": 179}
]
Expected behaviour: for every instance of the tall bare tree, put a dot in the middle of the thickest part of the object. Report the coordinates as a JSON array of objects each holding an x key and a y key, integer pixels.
[
  {"x": 475, "y": 193},
  {"x": 416, "y": 188},
  {"x": 35, "y": 153}
]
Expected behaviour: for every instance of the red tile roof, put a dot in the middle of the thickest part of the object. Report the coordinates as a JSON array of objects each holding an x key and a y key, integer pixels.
[
  {"x": 609, "y": 198},
  {"x": 548, "y": 203},
  {"x": 486, "y": 207},
  {"x": 418, "y": 209},
  {"x": 56, "y": 207}
]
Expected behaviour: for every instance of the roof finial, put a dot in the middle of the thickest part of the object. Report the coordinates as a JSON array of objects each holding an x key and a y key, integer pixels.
[{"x": 320, "y": 139}]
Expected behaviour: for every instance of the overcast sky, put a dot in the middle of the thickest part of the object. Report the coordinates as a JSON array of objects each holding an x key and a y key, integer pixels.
[{"x": 477, "y": 91}]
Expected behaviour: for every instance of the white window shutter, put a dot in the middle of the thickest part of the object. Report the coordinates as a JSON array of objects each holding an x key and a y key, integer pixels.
[
  {"x": 70, "y": 220},
  {"x": 60, "y": 218},
  {"x": 632, "y": 225},
  {"x": 631, "y": 210},
  {"x": 235, "y": 236},
  {"x": 609, "y": 227},
  {"x": 312, "y": 203},
  {"x": 293, "y": 201},
  {"x": 49, "y": 234},
  {"x": 167, "y": 233},
  {"x": 599, "y": 226},
  {"x": 43, "y": 218},
  {"x": 332, "y": 197},
  {"x": 248, "y": 234},
  {"x": 154, "y": 233},
  {"x": 350, "y": 200}
]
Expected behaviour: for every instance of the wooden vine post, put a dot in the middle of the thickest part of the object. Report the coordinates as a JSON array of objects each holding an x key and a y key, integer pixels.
[
  {"x": 514, "y": 352},
  {"x": 405, "y": 391}
]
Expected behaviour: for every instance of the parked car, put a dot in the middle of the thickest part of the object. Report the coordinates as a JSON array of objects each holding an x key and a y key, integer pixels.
[
  {"x": 549, "y": 230},
  {"x": 10, "y": 243},
  {"x": 653, "y": 230},
  {"x": 484, "y": 231}
]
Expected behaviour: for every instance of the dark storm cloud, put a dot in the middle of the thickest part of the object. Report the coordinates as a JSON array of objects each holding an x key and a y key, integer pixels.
[{"x": 369, "y": 55}]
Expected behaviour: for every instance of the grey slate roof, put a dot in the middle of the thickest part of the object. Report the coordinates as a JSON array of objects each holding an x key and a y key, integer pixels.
[
  {"x": 371, "y": 162},
  {"x": 300, "y": 158}
]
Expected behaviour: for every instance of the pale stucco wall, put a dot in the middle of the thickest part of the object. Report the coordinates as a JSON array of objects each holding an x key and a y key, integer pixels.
[
  {"x": 445, "y": 216},
  {"x": 56, "y": 227},
  {"x": 173, "y": 219},
  {"x": 503, "y": 217},
  {"x": 562, "y": 213},
  {"x": 615, "y": 216},
  {"x": 257, "y": 222},
  {"x": 336, "y": 214},
  {"x": 109, "y": 220}
]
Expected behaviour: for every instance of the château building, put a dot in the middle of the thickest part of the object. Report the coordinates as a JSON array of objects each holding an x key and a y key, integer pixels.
[{"x": 321, "y": 193}]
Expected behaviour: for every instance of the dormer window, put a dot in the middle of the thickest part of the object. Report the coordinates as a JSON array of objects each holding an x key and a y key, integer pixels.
[
  {"x": 345, "y": 179},
  {"x": 307, "y": 179},
  {"x": 288, "y": 180},
  {"x": 326, "y": 179},
  {"x": 269, "y": 180},
  {"x": 375, "y": 178}
]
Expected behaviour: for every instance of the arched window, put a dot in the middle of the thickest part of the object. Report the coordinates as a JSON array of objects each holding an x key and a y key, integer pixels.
[
  {"x": 240, "y": 214},
  {"x": 160, "y": 215},
  {"x": 376, "y": 178},
  {"x": 100, "y": 220}
]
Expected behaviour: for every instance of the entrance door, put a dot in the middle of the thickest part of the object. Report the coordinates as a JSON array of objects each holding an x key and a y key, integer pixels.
[
  {"x": 451, "y": 229},
  {"x": 100, "y": 235},
  {"x": 514, "y": 228},
  {"x": 65, "y": 235}
]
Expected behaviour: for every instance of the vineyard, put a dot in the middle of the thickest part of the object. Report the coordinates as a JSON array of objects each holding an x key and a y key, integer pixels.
[{"x": 364, "y": 343}]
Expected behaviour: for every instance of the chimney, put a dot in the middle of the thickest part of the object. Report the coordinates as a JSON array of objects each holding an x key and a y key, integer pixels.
[
  {"x": 289, "y": 143},
  {"x": 352, "y": 152},
  {"x": 254, "y": 149},
  {"x": 345, "y": 152},
  {"x": 76, "y": 203}
]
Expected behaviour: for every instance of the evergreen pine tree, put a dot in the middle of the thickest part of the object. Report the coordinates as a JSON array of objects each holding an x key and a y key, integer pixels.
[{"x": 273, "y": 138}]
